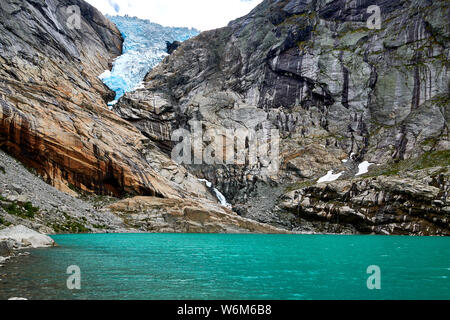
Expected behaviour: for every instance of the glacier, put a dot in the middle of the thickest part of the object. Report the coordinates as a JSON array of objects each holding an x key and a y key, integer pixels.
[{"x": 144, "y": 47}]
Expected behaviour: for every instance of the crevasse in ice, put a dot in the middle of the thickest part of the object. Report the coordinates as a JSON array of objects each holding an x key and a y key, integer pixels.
[{"x": 144, "y": 47}]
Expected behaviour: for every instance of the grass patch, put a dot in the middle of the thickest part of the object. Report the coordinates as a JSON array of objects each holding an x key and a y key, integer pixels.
[
  {"x": 75, "y": 189},
  {"x": 441, "y": 100},
  {"x": 99, "y": 226},
  {"x": 433, "y": 159},
  {"x": 31, "y": 211},
  {"x": 4, "y": 222},
  {"x": 31, "y": 170},
  {"x": 23, "y": 210},
  {"x": 427, "y": 160},
  {"x": 71, "y": 225},
  {"x": 299, "y": 185}
]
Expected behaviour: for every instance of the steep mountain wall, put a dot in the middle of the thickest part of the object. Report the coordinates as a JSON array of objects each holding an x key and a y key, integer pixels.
[
  {"x": 54, "y": 119},
  {"x": 340, "y": 90},
  {"x": 53, "y": 115}
]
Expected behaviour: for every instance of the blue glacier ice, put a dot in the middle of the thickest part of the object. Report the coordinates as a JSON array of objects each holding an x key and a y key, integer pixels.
[{"x": 144, "y": 47}]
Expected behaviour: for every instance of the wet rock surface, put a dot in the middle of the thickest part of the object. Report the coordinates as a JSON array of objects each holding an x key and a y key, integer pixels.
[
  {"x": 25, "y": 237},
  {"x": 6, "y": 248},
  {"x": 17, "y": 238}
]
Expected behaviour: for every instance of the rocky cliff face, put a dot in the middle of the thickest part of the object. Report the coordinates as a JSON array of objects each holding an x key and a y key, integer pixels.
[
  {"x": 409, "y": 203},
  {"x": 53, "y": 115},
  {"x": 54, "y": 119},
  {"x": 339, "y": 91}
]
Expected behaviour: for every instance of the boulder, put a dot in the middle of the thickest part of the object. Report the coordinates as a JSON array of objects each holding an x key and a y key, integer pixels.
[
  {"x": 26, "y": 237},
  {"x": 6, "y": 248},
  {"x": 172, "y": 46}
]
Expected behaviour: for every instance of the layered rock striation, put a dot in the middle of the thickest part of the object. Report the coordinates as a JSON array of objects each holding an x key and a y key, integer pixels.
[
  {"x": 53, "y": 115},
  {"x": 409, "y": 203},
  {"x": 342, "y": 87}
]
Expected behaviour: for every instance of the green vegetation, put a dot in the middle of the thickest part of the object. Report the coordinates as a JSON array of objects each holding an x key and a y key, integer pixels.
[
  {"x": 99, "y": 226},
  {"x": 28, "y": 206},
  {"x": 441, "y": 100},
  {"x": 2, "y": 170},
  {"x": 75, "y": 189},
  {"x": 12, "y": 209},
  {"x": 299, "y": 185},
  {"x": 31, "y": 170},
  {"x": 71, "y": 225},
  {"x": 427, "y": 160},
  {"x": 19, "y": 209},
  {"x": 4, "y": 222}
]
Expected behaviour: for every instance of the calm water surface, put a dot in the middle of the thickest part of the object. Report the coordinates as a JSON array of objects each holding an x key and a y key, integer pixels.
[{"x": 194, "y": 266}]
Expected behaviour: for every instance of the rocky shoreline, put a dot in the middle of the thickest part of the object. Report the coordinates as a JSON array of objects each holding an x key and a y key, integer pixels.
[
  {"x": 13, "y": 240},
  {"x": 25, "y": 199}
]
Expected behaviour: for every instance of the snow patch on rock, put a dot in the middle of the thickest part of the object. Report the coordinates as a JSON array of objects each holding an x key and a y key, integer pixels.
[
  {"x": 105, "y": 75},
  {"x": 330, "y": 177},
  {"x": 364, "y": 168},
  {"x": 208, "y": 184}
]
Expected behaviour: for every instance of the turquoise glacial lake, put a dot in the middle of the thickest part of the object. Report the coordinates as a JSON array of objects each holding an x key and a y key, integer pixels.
[{"x": 254, "y": 267}]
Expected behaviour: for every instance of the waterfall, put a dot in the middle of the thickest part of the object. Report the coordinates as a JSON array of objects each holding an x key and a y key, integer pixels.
[{"x": 223, "y": 201}]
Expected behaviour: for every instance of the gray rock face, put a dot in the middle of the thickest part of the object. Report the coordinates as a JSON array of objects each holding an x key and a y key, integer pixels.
[
  {"x": 315, "y": 71},
  {"x": 53, "y": 114},
  {"x": 49, "y": 210},
  {"x": 25, "y": 237},
  {"x": 6, "y": 248},
  {"x": 415, "y": 203}
]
